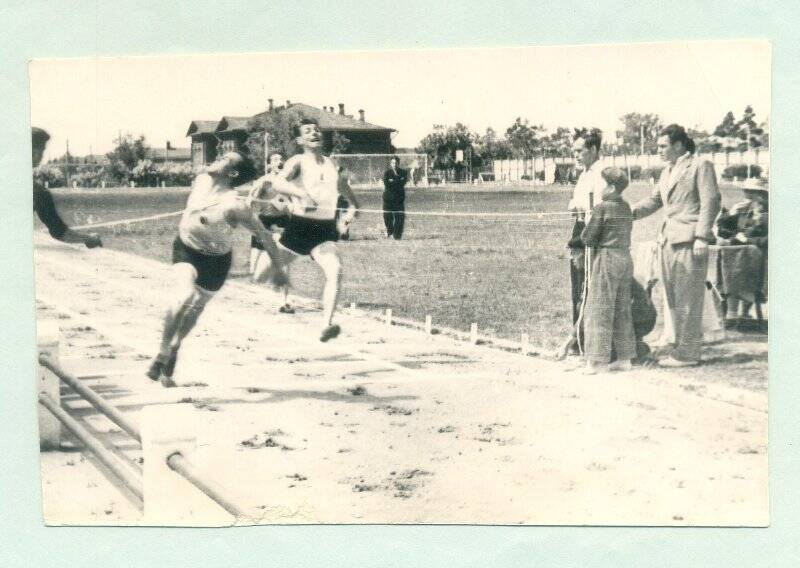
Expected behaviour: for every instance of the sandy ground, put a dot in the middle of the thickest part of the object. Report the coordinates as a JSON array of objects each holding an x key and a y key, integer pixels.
[{"x": 387, "y": 424}]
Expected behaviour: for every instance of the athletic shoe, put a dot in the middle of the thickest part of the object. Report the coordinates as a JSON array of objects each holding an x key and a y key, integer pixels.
[
  {"x": 155, "y": 370},
  {"x": 167, "y": 382},
  {"x": 673, "y": 363},
  {"x": 623, "y": 366},
  {"x": 330, "y": 332},
  {"x": 286, "y": 309},
  {"x": 595, "y": 368}
]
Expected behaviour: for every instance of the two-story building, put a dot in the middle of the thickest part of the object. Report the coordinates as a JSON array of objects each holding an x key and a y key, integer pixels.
[{"x": 210, "y": 138}]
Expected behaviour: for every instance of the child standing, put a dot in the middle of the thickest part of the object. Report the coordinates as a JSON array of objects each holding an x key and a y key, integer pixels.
[{"x": 608, "y": 321}]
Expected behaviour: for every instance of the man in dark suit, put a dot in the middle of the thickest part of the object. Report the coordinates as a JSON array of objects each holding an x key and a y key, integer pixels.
[
  {"x": 687, "y": 190},
  {"x": 394, "y": 199}
]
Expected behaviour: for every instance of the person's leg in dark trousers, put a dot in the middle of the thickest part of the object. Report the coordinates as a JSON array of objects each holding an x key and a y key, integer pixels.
[
  {"x": 577, "y": 275},
  {"x": 388, "y": 216},
  {"x": 399, "y": 219}
]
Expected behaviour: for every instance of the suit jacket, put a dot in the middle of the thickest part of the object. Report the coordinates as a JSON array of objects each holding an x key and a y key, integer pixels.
[
  {"x": 394, "y": 183},
  {"x": 691, "y": 202}
]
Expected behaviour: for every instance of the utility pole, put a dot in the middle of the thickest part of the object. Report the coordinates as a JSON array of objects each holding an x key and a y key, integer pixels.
[
  {"x": 66, "y": 164},
  {"x": 641, "y": 138},
  {"x": 266, "y": 150}
]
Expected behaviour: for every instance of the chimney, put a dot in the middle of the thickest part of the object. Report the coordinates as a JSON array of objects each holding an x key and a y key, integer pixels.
[
  {"x": 341, "y": 109},
  {"x": 271, "y": 106},
  {"x": 288, "y": 103},
  {"x": 361, "y": 115}
]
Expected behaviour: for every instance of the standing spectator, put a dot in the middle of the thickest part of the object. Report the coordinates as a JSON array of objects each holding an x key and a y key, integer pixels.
[
  {"x": 394, "y": 199},
  {"x": 43, "y": 203},
  {"x": 687, "y": 189},
  {"x": 587, "y": 192},
  {"x": 608, "y": 320}
]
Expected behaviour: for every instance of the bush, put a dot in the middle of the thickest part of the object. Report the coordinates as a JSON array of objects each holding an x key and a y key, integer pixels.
[
  {"x": 48, "y": 174},
  {"x": 740, "y": 171},
  {"x": 175, "y": 174}
]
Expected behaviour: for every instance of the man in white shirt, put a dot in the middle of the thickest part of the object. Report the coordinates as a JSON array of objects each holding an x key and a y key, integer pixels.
[{"x": 588, "y": 191}]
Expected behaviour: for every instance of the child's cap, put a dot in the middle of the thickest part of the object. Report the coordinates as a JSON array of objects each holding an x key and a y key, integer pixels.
[{"x": 615, "y": 177}]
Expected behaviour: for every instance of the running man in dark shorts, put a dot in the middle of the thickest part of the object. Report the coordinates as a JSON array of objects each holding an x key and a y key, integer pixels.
[
  {"x": 273, "y": 213},
  {"x": 45, "y": 207},
  {"x": 201, "y": 252},
  {"x": 315, "y": 226}
]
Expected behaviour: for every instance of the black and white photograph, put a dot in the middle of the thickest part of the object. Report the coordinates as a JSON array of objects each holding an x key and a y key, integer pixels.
[{"x": 475, "y": 286}]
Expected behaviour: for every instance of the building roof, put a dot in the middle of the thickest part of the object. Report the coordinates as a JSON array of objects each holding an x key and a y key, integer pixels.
[
  {"x": 202, "y": 127},
  {"x": 331, "y": 120},
  {"x": 328, "y": 121},
  {"x": 232, "y": 123}
]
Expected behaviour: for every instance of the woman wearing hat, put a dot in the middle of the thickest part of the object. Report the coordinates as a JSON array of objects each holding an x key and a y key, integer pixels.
[{"x": 747, "y": 223}]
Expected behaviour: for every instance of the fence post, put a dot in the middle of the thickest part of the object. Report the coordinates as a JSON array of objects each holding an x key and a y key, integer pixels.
[{"x": 48, "y": 334}]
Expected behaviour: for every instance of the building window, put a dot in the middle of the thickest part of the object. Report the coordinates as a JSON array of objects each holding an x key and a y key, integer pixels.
[
  {"x": 227, "y": 146},
  {"x": 198, "y": 153}
]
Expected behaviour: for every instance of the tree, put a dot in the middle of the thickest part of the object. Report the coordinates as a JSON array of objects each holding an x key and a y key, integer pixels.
[
  {"x": 523, "y": 138},
  {"x": 634, "y": 125},
  {"x": 278, "y": 124},
  {"x": 489, "y": 147},
  {"x": 559, "y": 143},
  {"x": 441, "y": 144},
  {"x": 127, "y": 154},
  {"x": 732, "y": 134},
  {"x": 750, "y": 133},
  {"x": 727, "y": 128}
]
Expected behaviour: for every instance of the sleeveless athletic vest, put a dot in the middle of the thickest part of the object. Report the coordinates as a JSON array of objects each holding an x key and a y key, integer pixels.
[
  {"x": 321, "y": 183},
  {"x": 203, "y": 226}
]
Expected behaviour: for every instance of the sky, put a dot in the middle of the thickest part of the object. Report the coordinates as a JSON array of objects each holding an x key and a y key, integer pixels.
[{"x": 90, "y": 101}]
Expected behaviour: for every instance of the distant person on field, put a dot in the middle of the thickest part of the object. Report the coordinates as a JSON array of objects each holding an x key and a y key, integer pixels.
[
  {"x": 608, "y": 319},
  {"x": 394, "y": 199},
  {"x": 45, "y": 207},
  {"x": 273, "y": 213}
]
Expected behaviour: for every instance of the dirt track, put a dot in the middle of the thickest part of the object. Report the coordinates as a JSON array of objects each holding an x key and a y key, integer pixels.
[{"x": 389, "y": 425}]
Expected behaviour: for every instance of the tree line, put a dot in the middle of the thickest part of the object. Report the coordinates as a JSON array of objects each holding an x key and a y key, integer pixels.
[{"x": 526, "y": 140}]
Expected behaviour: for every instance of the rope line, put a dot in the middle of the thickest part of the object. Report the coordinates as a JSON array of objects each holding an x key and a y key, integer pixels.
[{"x": 552, "y": 217}]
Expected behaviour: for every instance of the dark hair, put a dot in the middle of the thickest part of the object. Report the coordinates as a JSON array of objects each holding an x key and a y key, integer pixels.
[
  {"x": 393, "y": 157},
  {"x": 303, "y": 122},
  {"x": 39, "y": 137},
  {"x": 245, "y": 168},
  {"x": 677, "y": 133},
  {"x": 615, "y": 177},
  {"x": 591, "y": 138}
]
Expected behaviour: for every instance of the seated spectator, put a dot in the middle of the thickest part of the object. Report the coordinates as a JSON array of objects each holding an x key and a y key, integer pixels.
[{"x": 747, "y": 223}]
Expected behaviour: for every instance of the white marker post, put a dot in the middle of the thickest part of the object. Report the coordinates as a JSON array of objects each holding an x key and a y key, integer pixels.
[
  {"x": 473, "y": 333},
  {"x": 428, "y": 325},
  {"x": 388, "y": 318},
  {"x": 525, "y": 343},
  {"x": 352, "y": 308}
]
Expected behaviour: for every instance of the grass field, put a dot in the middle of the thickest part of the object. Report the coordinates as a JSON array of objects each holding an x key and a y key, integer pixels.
[{"x": 508, "y": 274}]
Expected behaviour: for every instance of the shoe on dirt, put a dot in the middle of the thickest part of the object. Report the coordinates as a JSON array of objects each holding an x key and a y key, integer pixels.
[{"x": 330, "y": 332}]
